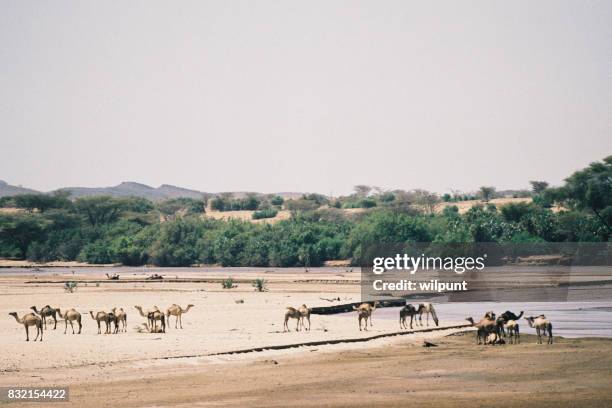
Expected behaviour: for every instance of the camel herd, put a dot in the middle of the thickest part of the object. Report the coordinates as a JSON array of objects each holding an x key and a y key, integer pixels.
[
  {"x": 492, "y": 330},
  {"x": 116, "y": 317}
]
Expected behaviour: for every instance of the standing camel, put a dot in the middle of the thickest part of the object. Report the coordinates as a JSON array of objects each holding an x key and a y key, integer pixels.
[
  {"x": 364, "y": 314},
  {"x": 102, "y": 317},
  {"x": 71, "y": 316},
  {"x": 45, "y": 312},
  {"x": 541, "y": 323},
  {"x": 485, "y": 326},
  {"x": 153, "y": 316},
  {"x": 369, "y": 308},
  {"x": 120, "y": 317},
  {"x": 406, "y": 311},
  {"x": 507, "y": 316},
  {"x": 428, "y": 309},
  {"x": 292, "y": 313},
  {"x": 304, "y": 315},
  {"x": 177, "y": 311},
  {"x": 28, "y": 320},
  {"x": 512, "y": 328}
]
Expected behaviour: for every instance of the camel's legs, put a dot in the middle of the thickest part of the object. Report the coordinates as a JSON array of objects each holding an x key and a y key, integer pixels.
[
  {"x": 55, "y": 322},
  {"x": 66, "y": 325},
  {"x": 27, "y": 333}
]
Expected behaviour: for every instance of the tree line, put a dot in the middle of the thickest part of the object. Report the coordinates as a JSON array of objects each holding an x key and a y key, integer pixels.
[{"x": 135, "y": 231}]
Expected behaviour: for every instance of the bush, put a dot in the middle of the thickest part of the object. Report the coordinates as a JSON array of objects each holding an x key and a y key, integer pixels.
[
  {"x": 70, "y": 286},
  {"x": 267, "y": 213},
  {"x": 277, "y": 200},
  {"x": 260, "y": 285},
  {"x": 228, "y": 283}
]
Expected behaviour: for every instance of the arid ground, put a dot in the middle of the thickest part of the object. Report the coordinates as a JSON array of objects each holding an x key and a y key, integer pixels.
[{"x": 183, "y": 368}]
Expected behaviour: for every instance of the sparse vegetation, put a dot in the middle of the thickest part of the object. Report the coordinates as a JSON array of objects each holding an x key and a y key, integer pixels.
[
  {"x": 70, "y": 286},
  {"x": 260, "y": 285},
  {"x": 228, "y": 283}
]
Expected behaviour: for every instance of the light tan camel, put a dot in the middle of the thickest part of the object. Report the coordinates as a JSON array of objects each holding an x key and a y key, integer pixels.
[
  {"x": 45, "y": 312},
  {"x": 305, "y": 315},
  {"x": 102, "y": 317},
  {"x": 292, "y": 313},
  {"x": 30, "y": 319},
  {"x": 120, "y": 317},
  {"x": 71, "y": 316},
  {"x": 177, "y": 311},
  {"x": 369, "y": 308},
  {"x": 153, "y": 316},
  {"x": 541, "y": 324},
  {"x": 484, "y": 327},
  {"x": 494, "y": 338},
  {"x": 512, "y": 328},
  {"x": 428, "y": 309}
]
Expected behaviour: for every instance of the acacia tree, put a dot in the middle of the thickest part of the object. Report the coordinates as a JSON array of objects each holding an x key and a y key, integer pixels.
[
  {"x": 361, "y": 190},
  {"x": 538, "y": 186},
  {"x": 487, "y": 193}
]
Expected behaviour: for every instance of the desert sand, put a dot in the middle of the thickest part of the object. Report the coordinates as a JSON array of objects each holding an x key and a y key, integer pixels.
[{"x": 184, "y": 367}]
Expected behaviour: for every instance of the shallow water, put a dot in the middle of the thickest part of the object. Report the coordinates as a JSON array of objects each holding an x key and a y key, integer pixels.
[{"x": 571, "y": 319}]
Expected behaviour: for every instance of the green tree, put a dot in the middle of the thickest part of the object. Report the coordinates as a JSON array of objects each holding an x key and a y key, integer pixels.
[
  {"x": 590, "y": 190},
  {"x": 487, "y": 193}
]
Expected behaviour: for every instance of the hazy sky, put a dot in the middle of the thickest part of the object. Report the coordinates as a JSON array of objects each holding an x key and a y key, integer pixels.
[{"x": 303, "y": 96}]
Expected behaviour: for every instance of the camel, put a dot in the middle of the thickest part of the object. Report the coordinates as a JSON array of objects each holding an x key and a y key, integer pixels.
[
  {"x": 305, "y": 314},
  {"x": 363, "y": 314},
  {"x": 512, "y": 328},
  {"x": 428, "y": 309},
  {"x": 541, "y": 323},
  {"x": 71, "y": 316},
  {"x": 120, "y": 317},
  {"x": 177, "y": 311},
  {"x": 369, "y": 308},
  {"x": 494, "y": 338},
  {"x": 153, "y": 316},
  {"x": 292, "y": 313},
  {"x": 484, "y": 327},
  {"x": 406, "y": 311},
  {"x": 103, "y": 317},
  {"x": 30, "y": 319},
  {"x": 45, "y": 312},
  {"x": 506, "y": 317}
]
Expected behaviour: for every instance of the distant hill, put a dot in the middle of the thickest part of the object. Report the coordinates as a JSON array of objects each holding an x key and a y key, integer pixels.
[
  {"x": 132, "y": 189},
  {"x": 9, "y": 190}
]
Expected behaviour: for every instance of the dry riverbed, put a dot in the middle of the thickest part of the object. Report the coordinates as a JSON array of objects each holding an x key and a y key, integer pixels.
[{"x": 180, "y": 368}]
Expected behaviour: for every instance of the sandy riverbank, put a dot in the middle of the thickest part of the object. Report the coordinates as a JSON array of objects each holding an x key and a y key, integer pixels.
[{"x": 177, "y": 368}]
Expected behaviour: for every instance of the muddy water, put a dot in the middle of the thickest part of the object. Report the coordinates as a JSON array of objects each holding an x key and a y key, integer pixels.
[{"x": 570, "y": 319}]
